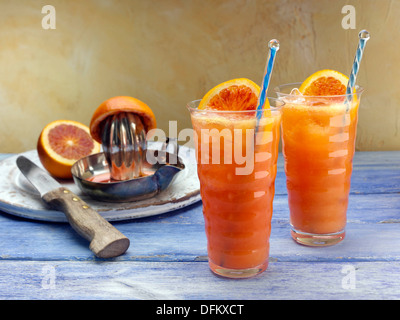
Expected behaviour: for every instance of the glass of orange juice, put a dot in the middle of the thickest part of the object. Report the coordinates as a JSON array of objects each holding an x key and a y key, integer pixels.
[
  {"x": 318, "y": 143},
  {"x": 237, "y": 164}
]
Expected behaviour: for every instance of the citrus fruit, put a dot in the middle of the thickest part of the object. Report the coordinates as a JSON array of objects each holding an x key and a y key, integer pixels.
[
  {"x": 63, "y": 142},
  {"x": 234, "y": 95},
  {"x": 121, "y": 104},
  {"x": 324, "y": 83}
]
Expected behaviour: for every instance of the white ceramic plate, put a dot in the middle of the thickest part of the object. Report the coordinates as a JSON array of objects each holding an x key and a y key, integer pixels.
[{"x": 20, "y": 198}]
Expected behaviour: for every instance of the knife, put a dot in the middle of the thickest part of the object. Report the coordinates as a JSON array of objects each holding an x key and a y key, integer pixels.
[{"x": 105, "y": 240}]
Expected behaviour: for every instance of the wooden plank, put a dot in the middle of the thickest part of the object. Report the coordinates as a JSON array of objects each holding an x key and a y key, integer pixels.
[
  {"x": 360, "y": 158},
  {"x": 362, "y": 243},
  {"x": 363, "y": 208},
  {"x": 167, "y": 258},
  {"x": 367, "y": 159},
  {"x": 193, "y": 280},
  {"x": 365, "y": 179},
  {"x": 374, "y": 172},
  {"x": 372, "y": 234},
  {"x": 377, "y": 158}
]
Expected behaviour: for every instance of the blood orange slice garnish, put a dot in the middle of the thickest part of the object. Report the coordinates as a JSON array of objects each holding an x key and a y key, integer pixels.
[
  {"x": 233, "y": 95},
  {"x": 325, "y": 83},
  {"x": 63, "y": 142},
  {"x": 121, "y": 104}
]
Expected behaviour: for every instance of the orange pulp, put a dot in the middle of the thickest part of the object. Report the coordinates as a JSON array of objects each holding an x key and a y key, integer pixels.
[
  {"x": 237, "y": 202},
  {"x": 318, "y": 146}
]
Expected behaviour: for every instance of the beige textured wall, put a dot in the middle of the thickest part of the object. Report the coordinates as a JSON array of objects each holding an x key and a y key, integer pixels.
[{"x": 167, "y": 52}]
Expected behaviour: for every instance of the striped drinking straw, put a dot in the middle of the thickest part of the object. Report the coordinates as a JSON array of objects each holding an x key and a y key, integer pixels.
[
  {"x": 273, "y": 46},
  {"x": 363, "y": 38}
]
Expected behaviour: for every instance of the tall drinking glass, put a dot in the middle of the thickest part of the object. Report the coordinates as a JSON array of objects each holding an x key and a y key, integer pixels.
[
  {"x": 236, "y": 165},
  {"x": 318, "y": 142}
]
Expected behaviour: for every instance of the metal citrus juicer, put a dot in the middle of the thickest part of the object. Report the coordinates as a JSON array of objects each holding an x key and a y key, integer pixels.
[
  {"x": 126, "y": 170},
  {"x": 124, "y": 144}
]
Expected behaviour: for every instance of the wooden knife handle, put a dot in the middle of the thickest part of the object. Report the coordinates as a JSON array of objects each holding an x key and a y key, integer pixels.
[{"x": 105, "y": 240}]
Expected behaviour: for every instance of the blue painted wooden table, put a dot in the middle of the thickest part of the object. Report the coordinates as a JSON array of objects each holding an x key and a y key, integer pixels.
[{"x": 167, "y": 257}]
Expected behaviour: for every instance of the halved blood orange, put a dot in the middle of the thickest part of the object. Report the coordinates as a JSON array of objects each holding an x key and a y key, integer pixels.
[
  {"x": 63, "y": 142},
  {"x": 121, "y": 104},
  {"x": 325, "y": 83},
  {"x": 234, "y": 95}
]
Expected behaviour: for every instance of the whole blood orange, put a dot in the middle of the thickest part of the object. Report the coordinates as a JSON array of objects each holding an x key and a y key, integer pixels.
[
  {"x": 324, "y": 83},
  {"x": 121, "y": 104},
  {"x": 63, "y": 142},
  {"x": 234, "y": 95}
]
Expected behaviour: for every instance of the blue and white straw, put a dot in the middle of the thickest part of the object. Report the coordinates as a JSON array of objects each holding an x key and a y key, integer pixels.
[
  {"x": 363, "y": 38},
  {"x": 273, "y": 46}
]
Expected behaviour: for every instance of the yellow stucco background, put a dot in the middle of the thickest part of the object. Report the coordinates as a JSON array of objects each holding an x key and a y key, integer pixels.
[{"x": 168, "y": 52}]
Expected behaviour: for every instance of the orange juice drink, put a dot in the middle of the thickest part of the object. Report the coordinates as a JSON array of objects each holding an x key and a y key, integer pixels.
[
  {"x": 237, "y": 169},
  {"x": 318, "y": 142}
]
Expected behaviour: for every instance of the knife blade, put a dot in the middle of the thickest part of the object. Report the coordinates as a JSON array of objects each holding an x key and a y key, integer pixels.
[
  {"x": 36, "y": 176},
  {"x": 105, "y": 240}
]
